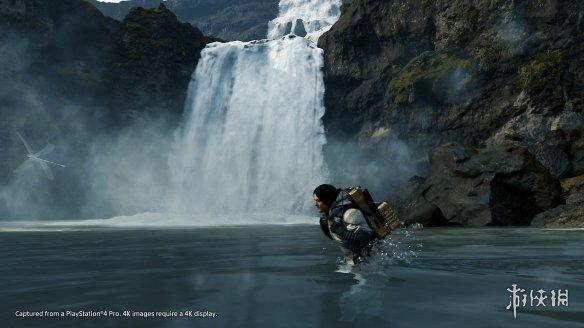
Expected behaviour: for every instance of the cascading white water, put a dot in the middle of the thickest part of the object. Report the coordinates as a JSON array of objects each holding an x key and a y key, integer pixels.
[
  {"x": 252, "y": 137},
  {"x": 307, "y": 18}
]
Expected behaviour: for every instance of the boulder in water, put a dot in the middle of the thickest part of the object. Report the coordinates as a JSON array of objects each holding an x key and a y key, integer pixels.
[
  {"x": 299, "y": 28},
  {"x": 416, "y": 210},
  {"x": 563, "y": 216},
  {"x": 574, "y": 190},
  {"x": 502, "y": 185}
]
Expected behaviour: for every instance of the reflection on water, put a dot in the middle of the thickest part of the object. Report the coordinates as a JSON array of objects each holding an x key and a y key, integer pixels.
[
  {"x": 288, "y": 276},
  {"x": 400, "y": 248}
]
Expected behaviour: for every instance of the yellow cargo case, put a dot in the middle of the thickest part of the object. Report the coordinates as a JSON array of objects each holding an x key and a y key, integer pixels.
[{"x": 380, "y": 217}]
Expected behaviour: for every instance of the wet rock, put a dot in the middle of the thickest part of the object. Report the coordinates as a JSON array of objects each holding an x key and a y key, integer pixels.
[
  {"x": 574, "y": 190},
  {"x": 423, "y": 212},
  {"x": 413, "y": 208},
  {"x": 563, "y": 217},
  {"x": 577, "y": 156},
  {"x": 551, "y": 138},
  {"x": 299, "y": 28},
  {"x": 490, "y": 186}
]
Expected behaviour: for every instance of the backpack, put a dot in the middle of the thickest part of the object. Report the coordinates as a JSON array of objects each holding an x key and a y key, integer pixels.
[{"x": 380, "y": 217}]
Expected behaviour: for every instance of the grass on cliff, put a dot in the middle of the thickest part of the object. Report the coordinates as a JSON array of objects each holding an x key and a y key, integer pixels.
[
  {"x": 426, "y": 67},
  {"x": 540, "y": 66},
  {"x": 137, "y": 28},
  {"x": 489, "y": 52},
  {"x": 568, "y": 184}
]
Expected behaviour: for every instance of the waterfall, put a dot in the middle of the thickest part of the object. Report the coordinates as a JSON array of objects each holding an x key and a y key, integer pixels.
[
  {"x": 306, "y": 18},
  {"x": 252, "y": 135}
]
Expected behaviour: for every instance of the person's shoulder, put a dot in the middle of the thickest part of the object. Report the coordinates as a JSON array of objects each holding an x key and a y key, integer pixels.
[{"x": 353, "y": 216}]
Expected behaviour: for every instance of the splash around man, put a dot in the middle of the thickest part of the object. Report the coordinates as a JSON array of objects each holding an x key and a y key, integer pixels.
[{"x": 342, "y": 221}]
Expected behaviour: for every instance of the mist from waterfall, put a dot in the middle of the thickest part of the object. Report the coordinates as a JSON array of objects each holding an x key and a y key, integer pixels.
[{"x": 252, "y": 134}]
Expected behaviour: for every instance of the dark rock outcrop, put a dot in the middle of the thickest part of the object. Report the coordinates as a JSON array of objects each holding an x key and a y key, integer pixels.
[
  {"x": 574, "y": 190},
  {"x": 561, "y": 217},
  {"x": 152, "y": 62},
  {"x": 478, "y": 187},
  {"x": 570, "y": 215},
  {"x": 413, "y": 208},
  {"x": 53, "y": 45}
]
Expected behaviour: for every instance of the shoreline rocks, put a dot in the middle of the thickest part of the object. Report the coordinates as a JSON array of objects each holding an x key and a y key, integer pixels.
[
  {"x": 502, "y": 185},
  {"x": 561, "y": 217}
]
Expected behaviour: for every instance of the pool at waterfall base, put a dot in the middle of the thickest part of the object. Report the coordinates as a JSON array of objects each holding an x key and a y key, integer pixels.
[{"x": 286, "y": 276}]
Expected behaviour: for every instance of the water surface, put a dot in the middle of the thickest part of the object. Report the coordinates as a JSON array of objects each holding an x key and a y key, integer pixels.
[{"x": 289, "y": 276}]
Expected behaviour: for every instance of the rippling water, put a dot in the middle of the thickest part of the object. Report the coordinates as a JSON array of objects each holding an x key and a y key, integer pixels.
[{"x": 288, "y": 276}]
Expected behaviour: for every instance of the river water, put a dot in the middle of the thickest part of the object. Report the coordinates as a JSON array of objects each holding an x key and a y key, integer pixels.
[{"x": 286, "y": 276}]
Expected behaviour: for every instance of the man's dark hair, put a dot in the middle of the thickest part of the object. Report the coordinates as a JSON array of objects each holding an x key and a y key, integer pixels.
[{"x": 327, "y": 194}]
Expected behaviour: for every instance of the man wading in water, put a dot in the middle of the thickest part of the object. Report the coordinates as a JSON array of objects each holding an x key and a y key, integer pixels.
[{"x": 342, "y": 221}]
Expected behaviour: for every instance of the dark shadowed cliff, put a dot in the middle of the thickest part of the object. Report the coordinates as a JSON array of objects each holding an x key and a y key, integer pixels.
[{"x": 152, "y": 61}]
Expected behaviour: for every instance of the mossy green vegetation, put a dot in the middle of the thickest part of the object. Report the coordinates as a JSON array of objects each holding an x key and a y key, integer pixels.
[
  {"x": 164, "y": 42},
  {"x": 542, "y": 64},
  {"x": 135, "y": 27},
  {"x": 147, "y": 11},
  {"x": 488, "y": 52},
  {"x": 184, "y": 55},
  {"x": 472, "y": 15},
  {"x": 427, "y": 67},
  {"x": 568, "y": 184}
]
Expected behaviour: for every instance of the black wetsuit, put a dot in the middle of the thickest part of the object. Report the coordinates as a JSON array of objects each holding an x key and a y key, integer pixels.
[{"x": 359, "y": 241}]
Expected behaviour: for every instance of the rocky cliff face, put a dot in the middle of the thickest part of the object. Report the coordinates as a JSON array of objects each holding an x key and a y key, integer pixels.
[
  {"x": 480, "y": 73},
  {"x": 152, "y": 61}
]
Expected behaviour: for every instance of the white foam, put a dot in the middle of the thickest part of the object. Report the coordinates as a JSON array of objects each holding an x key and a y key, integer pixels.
[
  {"x": 307, "y": 18},
  {"x": 157, "y": 220}
]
